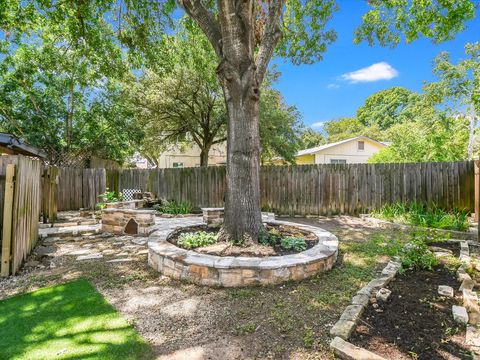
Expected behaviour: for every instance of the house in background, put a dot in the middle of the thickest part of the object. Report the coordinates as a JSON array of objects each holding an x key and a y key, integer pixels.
[
  {"x": 189, "y": 156},
  {"x": 349, "y": 151}
]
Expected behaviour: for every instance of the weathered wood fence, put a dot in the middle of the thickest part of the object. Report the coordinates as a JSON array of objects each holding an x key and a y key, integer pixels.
[
  {"x": 79, "y": 188},
  {"x": 22, "y": 204},
  {"x": 297, "y": 189}
]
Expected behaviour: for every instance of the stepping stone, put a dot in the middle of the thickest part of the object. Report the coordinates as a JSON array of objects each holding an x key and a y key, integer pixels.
[
  {"x": 383, "y": 294},
  {"x": 90, "y": 257},
  {"x": 80, "y": 252},
  {"x": 460, "y": 314},
  {"x": 139, "y": 241},
  {"x": 108, "y": 252},
  {"x": 119, "y": 260},
  {"x": 445, "y": 290},
  {"x": 44, "y": 250}
]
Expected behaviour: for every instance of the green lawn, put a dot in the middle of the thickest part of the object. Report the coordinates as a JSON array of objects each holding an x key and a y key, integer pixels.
[{"x": 68, "y": 321}]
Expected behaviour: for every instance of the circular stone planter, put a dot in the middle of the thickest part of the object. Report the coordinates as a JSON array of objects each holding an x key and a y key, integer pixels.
[{"x": 229, "y": 271}]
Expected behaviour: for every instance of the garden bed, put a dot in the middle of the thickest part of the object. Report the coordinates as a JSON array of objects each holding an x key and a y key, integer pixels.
[
  {"x": 236, "y": 271},
  {"x": 415, "y": 322},
  {"x": 253, "y": 250}
]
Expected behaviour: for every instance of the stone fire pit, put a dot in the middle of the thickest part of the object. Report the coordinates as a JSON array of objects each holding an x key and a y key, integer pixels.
[{"x": 229, "y": 271}]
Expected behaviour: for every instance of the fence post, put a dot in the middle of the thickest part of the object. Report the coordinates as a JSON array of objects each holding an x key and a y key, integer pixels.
[{"x": 7, "y": 221}]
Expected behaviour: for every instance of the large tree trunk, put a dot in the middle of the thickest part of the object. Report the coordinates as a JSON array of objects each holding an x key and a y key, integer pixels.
[
  {"x": 243, "y": 218},
  {"x": 204, "y": 155},
  {"x": 241, "y": 70}
]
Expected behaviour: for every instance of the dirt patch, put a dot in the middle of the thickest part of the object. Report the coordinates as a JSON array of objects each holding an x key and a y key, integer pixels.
[
  {"x": 254, "y": 250},
  {"x": 415, "y": 322}
]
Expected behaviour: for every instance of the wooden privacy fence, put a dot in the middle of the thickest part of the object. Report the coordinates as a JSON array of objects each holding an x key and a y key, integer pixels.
[
  {"x": 79, "y": 188},
  {"x": 296, "y": 189},
  {"x": 22, "y": 206},
  {"x": 316, "y": 189}
]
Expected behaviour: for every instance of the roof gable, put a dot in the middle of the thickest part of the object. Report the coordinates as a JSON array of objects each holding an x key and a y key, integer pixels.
[{"x": 331, "y": 145}]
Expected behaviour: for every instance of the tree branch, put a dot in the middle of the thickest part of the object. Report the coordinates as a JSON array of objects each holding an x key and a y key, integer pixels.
[
  {"x": 206, "y": 21},
  {"x": 270, "y": 38}
]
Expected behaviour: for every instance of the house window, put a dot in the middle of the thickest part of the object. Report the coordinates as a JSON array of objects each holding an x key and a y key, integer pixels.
[
  {"x": 338, "y": 161},
  {"x": 178, "y": 165},
  {"x": 361, "y": 145}
]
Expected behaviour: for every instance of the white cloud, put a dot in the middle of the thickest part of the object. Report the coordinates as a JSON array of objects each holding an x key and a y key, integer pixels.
[
  {"x": 375, "y": 72},
  {"x": 333, "y": 86},
  {"x": 318, "y": 124}
]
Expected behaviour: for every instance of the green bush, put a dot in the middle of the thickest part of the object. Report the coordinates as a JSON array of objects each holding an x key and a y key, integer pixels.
[
  {"x": 196, "y": 239},
  {"x": 173, "y": 207},
  {"x": 416, "y": 255},
  {"x": 424, "y": 215},
  {"x": 109, "y": 197},
  {"x": 270, "y": 238},
  {"x": 297, "y": 244}
]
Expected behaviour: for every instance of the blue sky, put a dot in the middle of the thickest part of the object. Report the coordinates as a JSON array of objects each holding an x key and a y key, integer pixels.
[{"x": 320, "y": 92}]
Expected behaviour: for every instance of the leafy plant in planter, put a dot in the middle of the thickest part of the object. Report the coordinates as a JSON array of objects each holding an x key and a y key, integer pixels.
[
  {"x": 196, "y": 239},
  {"x": 293, "y": 243},
  {"x": 109, "y": 197},
  {"x": 173, "y": 207}
]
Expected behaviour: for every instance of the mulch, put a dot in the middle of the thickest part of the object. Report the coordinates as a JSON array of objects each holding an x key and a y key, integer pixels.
[
  {"x": 415, "y": 322},
  {"x": 256, "y": 250}
]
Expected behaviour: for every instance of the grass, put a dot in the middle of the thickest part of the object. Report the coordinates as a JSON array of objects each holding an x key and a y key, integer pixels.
[
  {"x": 424, "y": 215},
  {"x": 68, "y": 321}
]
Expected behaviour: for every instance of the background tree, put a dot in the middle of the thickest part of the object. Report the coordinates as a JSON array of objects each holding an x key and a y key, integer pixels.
[
  {"x": 442, "y": 138},
  {"x": 458, "y": 87},
  {"x": 391, "y": 106},
  {"x": 280, "y": 127},
  {"x": 58, "y": 82},
  {"x": 179, "y": 100},
  {"x": 310, "y": 138}
]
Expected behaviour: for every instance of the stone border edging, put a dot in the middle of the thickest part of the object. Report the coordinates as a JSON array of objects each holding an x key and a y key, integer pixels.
[
  {"x": 229, "y": 271},
  {"x": 352, "y": 313},
  {"x": 462, "y": 235}
]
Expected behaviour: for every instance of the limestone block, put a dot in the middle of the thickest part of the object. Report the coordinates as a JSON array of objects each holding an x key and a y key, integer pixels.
[
  {"x": 342, "y": 329},
  {"x": 444, "y": 290},
  {"x": 347, "y": 351},
  {"x": 460, "y": 314}
]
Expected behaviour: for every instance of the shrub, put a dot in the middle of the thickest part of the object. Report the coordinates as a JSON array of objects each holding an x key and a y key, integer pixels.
[
  {"x": 297, "y": 244},
  {"x": 415, "y": 254},
  {"x": 174, "y": 207},
  {"x": 424, "y": 215},
  {"x": 196, "y": 239},
  {"x": 109, "y": 197},
  {"x": 270, "y": 238}
]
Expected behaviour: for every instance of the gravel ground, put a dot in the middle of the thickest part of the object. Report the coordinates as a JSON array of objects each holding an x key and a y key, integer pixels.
[{"x": 184, "y": 321}]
